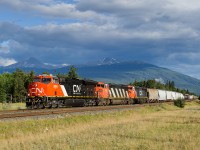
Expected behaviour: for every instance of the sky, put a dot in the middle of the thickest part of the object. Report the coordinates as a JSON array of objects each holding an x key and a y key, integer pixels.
[{"x": 162, "y": 32}]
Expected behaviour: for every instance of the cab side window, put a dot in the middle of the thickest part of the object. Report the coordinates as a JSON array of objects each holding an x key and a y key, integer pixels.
[
  {"x": 55, "y": 80},
  {"x": 46, "y": 80},
  {"x": 36, "y": 80}
]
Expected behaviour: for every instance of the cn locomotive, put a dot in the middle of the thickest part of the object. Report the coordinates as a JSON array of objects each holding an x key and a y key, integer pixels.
[{"x": 47, "y": 91}]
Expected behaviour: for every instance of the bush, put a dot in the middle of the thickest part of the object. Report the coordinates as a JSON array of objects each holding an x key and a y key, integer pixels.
[{"x": 179, "y": 103}]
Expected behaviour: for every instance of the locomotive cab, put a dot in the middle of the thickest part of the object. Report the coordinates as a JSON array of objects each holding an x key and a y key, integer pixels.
[
  {"x": 102, "y": 90},
  {"x": 42, "y": 88},
  {"x": 45, "y": 85},
  {"x": 131, "y": 92}
]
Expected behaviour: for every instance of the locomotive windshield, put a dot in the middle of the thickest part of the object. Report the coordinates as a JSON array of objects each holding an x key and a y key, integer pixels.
[
  {"x": 46, "y": 80},
  {"x": 36, "y": 80},
  {"x": 131, "y": 88},
  {"x": 100, "y": 85}
]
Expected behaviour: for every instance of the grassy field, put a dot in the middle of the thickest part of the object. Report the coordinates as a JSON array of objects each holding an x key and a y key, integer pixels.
[
  {"x": 12, "y": 106},
  {"x": 153, "y": 127}
]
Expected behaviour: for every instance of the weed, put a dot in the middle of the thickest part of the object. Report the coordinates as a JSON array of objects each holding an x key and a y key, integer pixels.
[{"x": 179, "y": 103}]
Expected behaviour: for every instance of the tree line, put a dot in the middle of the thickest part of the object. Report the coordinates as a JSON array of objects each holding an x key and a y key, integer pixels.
[
  {"x": 13, "y": 86},
  {"x": 169, "y": 85}
]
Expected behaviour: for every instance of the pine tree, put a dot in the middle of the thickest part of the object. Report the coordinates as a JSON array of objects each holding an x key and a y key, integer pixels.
[
  {"x": 2, "y": 89},
  {"x": 72, "y": 73},
  {"x": 19, "y": 90}
]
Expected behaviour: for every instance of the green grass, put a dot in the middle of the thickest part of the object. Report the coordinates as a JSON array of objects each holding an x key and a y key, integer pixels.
[
  {"x": 152, "y": 127},
  {"x": 12, "y": 106}
]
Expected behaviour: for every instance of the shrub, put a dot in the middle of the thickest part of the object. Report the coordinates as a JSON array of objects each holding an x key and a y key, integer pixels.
[{"x": 179, "y": 103}]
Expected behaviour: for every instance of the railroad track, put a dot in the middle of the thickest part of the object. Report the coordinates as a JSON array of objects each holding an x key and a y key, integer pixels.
[{"x": 42, "y": 112}]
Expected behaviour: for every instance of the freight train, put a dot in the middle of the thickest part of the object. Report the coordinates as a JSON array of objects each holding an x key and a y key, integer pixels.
[{"x": 52, "y": 92}]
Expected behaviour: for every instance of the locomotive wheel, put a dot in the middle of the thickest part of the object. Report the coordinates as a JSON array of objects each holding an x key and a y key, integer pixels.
[
  {"x": 54, "y": 104},
  {"x": 86, "y": 104},
  {"x": 96, "y": 102},
  {"x": 48, "y": 105},
  {"x": 40, "y": 105},
  {"x": 29, "y": 105},
  {"x": 60, "y": 104},
  {"x": 105, "y": 102}
]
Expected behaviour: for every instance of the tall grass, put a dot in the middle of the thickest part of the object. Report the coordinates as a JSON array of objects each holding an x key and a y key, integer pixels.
[
  {"x": 12, "y": 106},
  {"x": 152, "y": 127}
]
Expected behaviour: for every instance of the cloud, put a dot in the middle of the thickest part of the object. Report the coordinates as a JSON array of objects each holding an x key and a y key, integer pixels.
[
  {"x": 50, "y": 9},
  {"x": 4, "y": 48},
  {"x": 165, "y": 32},
  {"x": 187, "y": 57},
  {"x": 6, "y": 61}
]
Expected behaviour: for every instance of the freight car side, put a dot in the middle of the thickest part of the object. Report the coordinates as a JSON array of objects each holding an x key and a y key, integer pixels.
[{"x": 152, "y": 95}]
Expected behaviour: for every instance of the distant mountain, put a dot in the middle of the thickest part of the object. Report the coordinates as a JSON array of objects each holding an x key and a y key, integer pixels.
[
  {"x": 111, "y": 70},
  {"x": 126, "y": 72},
  {"x": 29, "y": 63},
  {"x": 108, "y": 61},
  {"x": 104, "y": 61}
]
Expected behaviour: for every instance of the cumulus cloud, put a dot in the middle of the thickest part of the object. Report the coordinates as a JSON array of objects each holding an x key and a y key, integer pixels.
[
  {"x": 161, "y": 32},
  {"x": 6, "y": 61},
  {"x": 51, "y": 9},
  {"x": 4, "y": 48}
]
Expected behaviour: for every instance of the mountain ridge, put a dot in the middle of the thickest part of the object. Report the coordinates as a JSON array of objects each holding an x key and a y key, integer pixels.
[{"x": 115, "y": 71}]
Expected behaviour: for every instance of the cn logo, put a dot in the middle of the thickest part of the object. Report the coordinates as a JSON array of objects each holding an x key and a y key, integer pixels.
[
  {"x": 38, "y": 90},
  {"x": 76, "y": 88},
  {"x": 140, "y": 93}
]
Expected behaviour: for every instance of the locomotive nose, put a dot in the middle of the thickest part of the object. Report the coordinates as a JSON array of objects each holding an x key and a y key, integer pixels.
[
  {"x": 34, "y": 85},
  {"x": 32, "y": 89}
]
